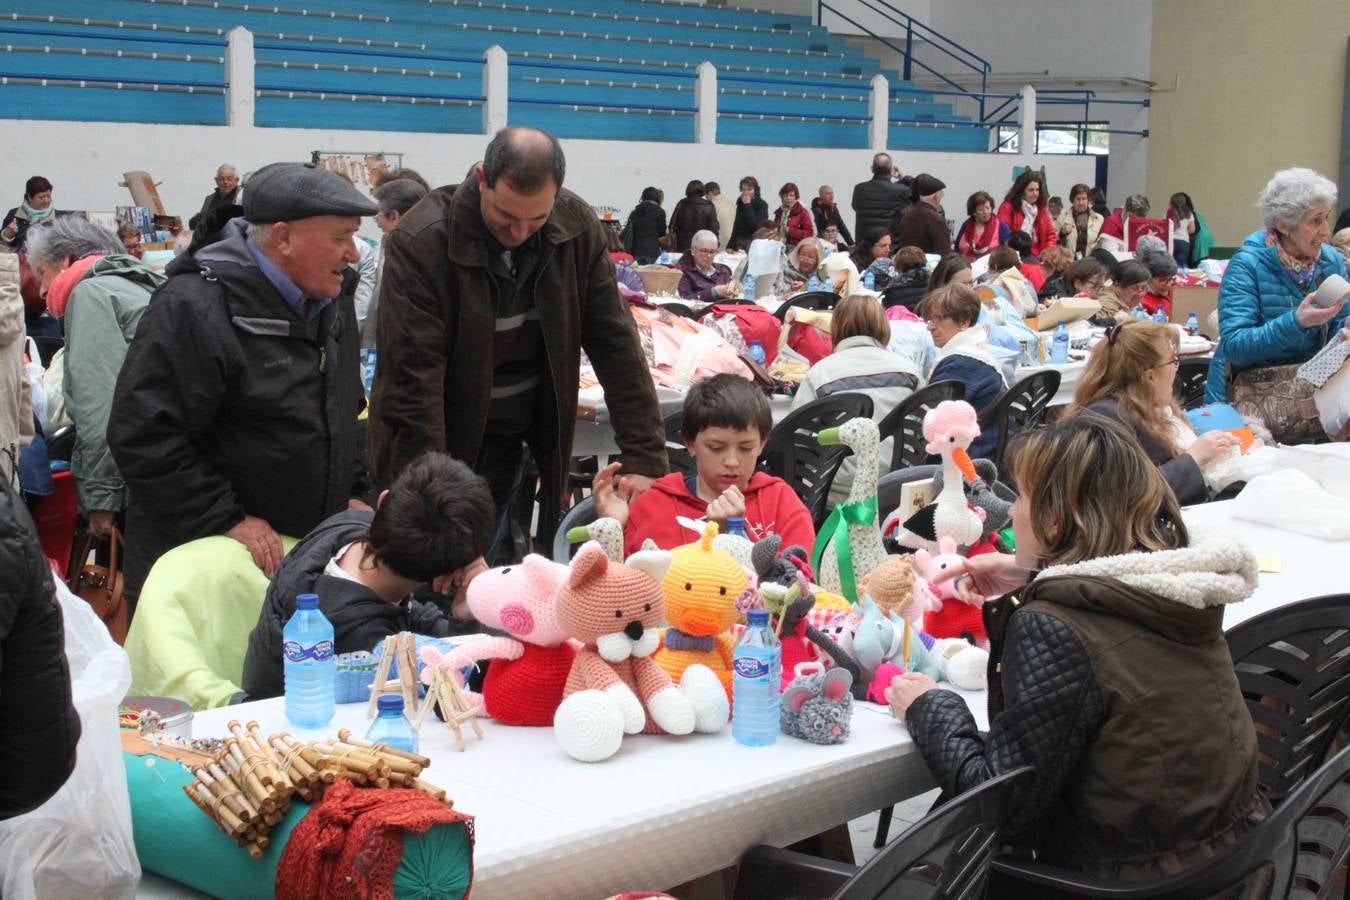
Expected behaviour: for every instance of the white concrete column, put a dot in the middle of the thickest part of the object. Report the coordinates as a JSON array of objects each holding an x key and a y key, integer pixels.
[
  {"x": 239, "y": 78},
  {"x": 494, "y": 89},
  {"x": 705, "y": 104},
  {"x": 879, "y": 109},
  {"x": 1027, "y": 132}
]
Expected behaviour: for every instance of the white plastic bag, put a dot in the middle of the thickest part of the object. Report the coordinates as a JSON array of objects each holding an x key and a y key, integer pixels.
[
  {"x": 1292, "y": 501},
  {"x": 1327, "y": 464},
  {"x": 33, "y": 369},
  {"x": 78, "y": 844}
]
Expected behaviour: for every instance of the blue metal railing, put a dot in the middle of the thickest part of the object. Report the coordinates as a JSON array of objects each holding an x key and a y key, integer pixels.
[{"x": 963, "y": 56}]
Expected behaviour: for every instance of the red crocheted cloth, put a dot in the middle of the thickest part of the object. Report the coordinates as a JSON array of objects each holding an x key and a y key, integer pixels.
[
  {"x": 349, "y": 845},
  {"x": 527, "y": 691},
  {"x": 796, "y": 649},
  {"x": 956, "y": 618}
]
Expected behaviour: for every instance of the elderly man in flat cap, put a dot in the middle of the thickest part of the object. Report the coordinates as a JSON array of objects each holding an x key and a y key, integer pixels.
[
  {"x": 924, "y": 226},
  {"x": 491, "y": 289},
  {"x": 235, "y": 411}
]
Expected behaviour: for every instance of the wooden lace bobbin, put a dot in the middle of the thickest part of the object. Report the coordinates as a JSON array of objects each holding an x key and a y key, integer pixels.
[
  {"x": 231, "y": 796},
  {"x": 232, "y": 787},
  {"x": 345, "y": 735}
]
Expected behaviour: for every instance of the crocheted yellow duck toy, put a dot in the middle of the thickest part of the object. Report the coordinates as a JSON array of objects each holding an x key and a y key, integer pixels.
[{"x": 702, "y": 589}]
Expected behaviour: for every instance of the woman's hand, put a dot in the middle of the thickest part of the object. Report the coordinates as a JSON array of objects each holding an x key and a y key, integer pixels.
[
  {"x": 101, "y": 523},
  {"x": 986, "y": 575},
  {"x": 905, "y": 689},
  {"x": 796, "y": 286},
  {"x": 1211, "y": 446},
  {"x": 609, "y": 500},
  {"x": 1310, "y": 315},
  {"x": 10, "y": 230},
  {"x": 721, "y": 291}
]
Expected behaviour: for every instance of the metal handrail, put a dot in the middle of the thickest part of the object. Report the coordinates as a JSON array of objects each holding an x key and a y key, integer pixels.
[
  {"x": 292, "y": 89},
  {"x": 212, "y": 86},
  {"x": 906, "y": 53},
  {"x": 148, "y": 39},
  {"x": 603, "y": 107}
]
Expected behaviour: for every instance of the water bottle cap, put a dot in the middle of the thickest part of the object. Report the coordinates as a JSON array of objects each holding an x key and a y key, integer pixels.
[
  {"x": 757, "y": 617},
  {"x": 390, "y": 702},
  {"x": 757, "y": 344},
  {"x": 736, "y": 523},
  {"x": 306, "y": 601}
]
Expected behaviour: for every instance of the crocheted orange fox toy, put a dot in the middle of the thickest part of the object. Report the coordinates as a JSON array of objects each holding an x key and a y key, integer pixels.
[
  {"x": 701, "y": 588},
  {"x": 614, "y": 687}
]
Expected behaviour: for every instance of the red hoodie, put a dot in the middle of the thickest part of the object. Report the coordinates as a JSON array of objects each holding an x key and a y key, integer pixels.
[{"x": 771, "y": 507}]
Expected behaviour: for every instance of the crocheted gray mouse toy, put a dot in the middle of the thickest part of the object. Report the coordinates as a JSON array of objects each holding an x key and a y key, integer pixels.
[{"x": 817, "y": 705}]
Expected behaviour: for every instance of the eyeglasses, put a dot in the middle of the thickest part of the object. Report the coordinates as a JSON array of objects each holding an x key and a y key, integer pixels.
[
  {"x": 936, "y": 320},
  {"x": 1174, "y": 361}
]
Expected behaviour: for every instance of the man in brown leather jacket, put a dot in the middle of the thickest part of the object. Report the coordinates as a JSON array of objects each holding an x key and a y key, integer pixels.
[{"x": 491, "y": 290}]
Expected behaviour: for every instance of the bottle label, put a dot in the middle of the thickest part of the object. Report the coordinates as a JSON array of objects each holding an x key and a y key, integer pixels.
[
  {"x": 297, "y": 652},
  {"x": 750, "y": 667}
]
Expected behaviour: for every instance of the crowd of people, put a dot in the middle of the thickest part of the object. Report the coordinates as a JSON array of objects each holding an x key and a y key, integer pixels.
[{"x": 223, "y": 396}]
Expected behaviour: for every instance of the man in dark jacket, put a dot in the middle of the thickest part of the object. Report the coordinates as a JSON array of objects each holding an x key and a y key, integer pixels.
[
  {"x": 40, "y": 726},
  {"x": 923, "y": 225},
  {"x": 431, "y": 528},
  {"x": 826, "y": 213},
  {"x": 225, "y": 194},
  {"x": 235, "y": 411},
  {"x": 876, "y": 202},
  {"x": 491, "y": 290}
]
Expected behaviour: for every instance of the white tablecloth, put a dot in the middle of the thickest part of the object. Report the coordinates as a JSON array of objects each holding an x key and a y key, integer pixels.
[
  {"x": 1311, "y": 567},
  {"x": 662, "y": 812}
]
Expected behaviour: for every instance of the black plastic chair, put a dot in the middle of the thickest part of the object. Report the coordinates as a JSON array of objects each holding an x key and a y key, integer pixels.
[
  {"x": 905, "y": 423},
  {"x": 582, "y": 513},
  {"x": 794, "y": 455},
  {"x": 1293, "y": 665},
  {"x": 1021, "y": 408},
  {"x": 680, "y": 309},
  {"x": 808, "y": 300},
  {"x": 945, "y": 854},
  {"x": 1295, "y": 852},
  {"x": 680, "y": 459},
  {"x": 1192, "y": 375}
]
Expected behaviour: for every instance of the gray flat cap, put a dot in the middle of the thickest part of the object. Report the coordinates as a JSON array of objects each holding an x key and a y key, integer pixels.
[{"x": 287, "y": 191}]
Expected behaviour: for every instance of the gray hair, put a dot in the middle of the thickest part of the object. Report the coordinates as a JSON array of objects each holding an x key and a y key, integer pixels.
[
  {"x": 398, "y": 195},
  {"x": 226, "y": 167},
  {"x": 1149, "y": 245},
  {"x": 69, "y": 238},
  {"x": 261, "y": 233},
  {"x": 1137, "y": 205},
  {"x": 1289, "y": 195},
  {"x": 1160, "y": 265},
  {"x": 701, "y": 237}
]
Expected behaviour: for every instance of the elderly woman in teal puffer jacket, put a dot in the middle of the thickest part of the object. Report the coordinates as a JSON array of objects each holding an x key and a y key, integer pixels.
[{"x": 1266, "y": 313}]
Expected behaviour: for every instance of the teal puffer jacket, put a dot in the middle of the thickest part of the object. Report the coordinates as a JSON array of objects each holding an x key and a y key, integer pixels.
[{"x": 1257, "y": 299}]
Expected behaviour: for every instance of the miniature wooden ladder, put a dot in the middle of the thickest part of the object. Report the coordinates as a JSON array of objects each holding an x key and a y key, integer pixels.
[
  {"x": 404, "y": 647},
  {"x": 455, "y": 707}
]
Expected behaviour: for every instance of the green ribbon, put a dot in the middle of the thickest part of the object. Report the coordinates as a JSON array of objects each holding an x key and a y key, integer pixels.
[{"x": 861, "y": 512}]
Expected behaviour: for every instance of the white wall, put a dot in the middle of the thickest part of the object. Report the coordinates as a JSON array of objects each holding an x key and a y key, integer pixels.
[{"x": 85, "y": 162}]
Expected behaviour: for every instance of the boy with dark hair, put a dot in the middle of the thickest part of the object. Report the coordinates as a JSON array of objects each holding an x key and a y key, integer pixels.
[
  {"x": 726, "y": 424},
  {"x": 431, "y": 528}
]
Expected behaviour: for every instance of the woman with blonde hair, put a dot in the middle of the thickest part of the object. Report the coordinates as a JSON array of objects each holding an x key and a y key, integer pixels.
[
  {"x": 1129, "y": 379},
  {"x": 1110, "y": 675},
  {"x": 860, "y": 363}
]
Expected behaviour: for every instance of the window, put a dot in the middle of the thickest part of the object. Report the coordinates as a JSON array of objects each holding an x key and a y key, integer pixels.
[{"x": 1090, "y": 138}]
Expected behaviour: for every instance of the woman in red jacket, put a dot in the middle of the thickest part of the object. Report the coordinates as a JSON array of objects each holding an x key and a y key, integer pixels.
[
  {"x": 799, "y": 224},
  {"x": 1023, "y": 209}
]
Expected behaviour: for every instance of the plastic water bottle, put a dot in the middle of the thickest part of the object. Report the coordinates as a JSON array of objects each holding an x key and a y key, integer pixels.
[
  {"x": 1160, "y": 317},
  {"x": 736, "y": 525},
  {"x": 311, "y": 667},
  {"x": 813, "y": 283},
  {"x": 1192, "y": 324},
  {"x": 756, "y": 352},
  {"x": 749, "y": 286},
  {"x": 368, "y": 368},
  {"x": 756, "y": 670},
  {"x": 391, "y": 727},
  {"x": 1141, "y": 313},
  {"x": 1059, "y": 350},
  {"x": 869, "y": 280}
]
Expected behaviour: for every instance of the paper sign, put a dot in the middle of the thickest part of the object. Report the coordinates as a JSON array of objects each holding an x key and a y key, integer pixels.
[{"x": 1270, "y": 562}]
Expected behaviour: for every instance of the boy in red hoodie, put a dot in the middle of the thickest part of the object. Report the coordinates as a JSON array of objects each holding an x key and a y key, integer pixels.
[{"x": 726, "y": 423}]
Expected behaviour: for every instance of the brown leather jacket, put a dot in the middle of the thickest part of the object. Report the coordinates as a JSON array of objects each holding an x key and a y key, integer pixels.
[{"x": 435, "y": 333}]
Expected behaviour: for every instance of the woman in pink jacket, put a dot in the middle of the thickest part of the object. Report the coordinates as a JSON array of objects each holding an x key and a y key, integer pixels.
[
  {"x": 1023, "y": 209},
  {"x": 792, "y": 220}
]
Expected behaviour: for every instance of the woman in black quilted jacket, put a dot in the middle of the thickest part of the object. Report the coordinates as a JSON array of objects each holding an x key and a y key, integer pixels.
[
  {"x": 1108, "y": 672},
  {"x": 38, "y": 723}
]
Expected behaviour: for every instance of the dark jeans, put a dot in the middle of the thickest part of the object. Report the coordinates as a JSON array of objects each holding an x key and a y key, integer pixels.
[
  {"x": 505, "y": 463},
  {"x": 1181, "y": 252}
]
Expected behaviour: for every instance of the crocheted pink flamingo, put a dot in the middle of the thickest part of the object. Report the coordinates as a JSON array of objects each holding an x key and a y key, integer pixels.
[{"x": 949, "y": 427}]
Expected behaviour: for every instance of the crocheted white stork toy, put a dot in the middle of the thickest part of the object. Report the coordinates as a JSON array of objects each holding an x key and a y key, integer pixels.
[{"x": 949, "y": 427}]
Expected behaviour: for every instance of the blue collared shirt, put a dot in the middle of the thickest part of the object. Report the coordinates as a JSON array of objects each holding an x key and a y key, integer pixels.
[{"x": 288, "y": 289}]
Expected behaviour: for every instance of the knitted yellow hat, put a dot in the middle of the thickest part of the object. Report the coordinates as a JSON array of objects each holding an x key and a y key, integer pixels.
[{"x": 702, "y": 586}]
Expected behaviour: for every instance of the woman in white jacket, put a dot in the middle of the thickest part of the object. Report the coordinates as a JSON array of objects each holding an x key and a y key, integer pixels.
[
  {"x": 16, "y": 412},
  {"x": 860, "y": 364}
]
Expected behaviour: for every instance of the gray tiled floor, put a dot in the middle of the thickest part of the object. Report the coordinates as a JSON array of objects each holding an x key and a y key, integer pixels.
[{"x": 864, "y": 830}]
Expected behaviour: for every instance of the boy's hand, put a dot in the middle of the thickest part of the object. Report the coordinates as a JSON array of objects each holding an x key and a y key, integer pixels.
[
  {"x": 608, "y": 492},
  {"x": 730, "y": 503}
]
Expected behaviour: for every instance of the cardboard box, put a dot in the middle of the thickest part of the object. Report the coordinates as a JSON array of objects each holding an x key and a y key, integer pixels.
[{"x": 1200, "y": 300}]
